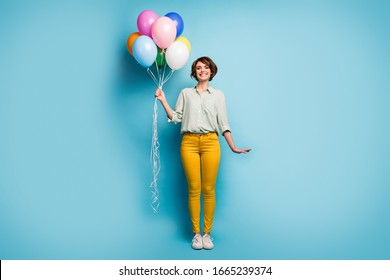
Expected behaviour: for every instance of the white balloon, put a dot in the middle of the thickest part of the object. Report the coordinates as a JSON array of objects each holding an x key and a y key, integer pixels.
[{"x": 177, "y": 55}]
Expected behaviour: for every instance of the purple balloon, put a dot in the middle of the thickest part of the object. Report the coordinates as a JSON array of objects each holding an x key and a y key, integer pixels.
[{"x": 145, "y": 21}]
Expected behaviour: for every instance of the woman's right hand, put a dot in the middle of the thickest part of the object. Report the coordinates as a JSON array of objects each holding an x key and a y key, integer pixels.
[{"x": 160, "y": 94}]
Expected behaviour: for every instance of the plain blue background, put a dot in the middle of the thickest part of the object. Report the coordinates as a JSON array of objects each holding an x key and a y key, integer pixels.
[{"x": 307, "y": 88}]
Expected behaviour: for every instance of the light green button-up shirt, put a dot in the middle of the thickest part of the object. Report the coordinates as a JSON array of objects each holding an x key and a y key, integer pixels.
[{"x": 201, "y": 113}]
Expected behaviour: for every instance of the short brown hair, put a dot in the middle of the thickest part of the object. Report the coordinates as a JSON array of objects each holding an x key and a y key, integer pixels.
[{"x": 209, "y": 62}]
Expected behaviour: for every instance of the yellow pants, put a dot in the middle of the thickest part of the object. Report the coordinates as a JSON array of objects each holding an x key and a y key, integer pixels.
[{"x": 200, "y": 155}]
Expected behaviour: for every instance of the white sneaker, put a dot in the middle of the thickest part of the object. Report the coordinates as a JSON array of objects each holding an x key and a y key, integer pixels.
[
  {"x": 207, "y": 242},
  {"x": 197, "y": 243}
]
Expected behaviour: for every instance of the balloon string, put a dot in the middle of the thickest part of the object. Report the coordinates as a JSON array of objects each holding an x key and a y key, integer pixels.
[
  {"x": 150, "y": 72},
  {"x": 158, "y": 73},
  {"x": 168, "y": 77},
  {"x": 154, "y": 151},
  {"x": 155, "y": 161},
  {"x": 163, "y": 75}
]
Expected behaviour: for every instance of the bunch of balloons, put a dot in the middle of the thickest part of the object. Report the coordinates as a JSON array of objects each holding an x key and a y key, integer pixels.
[{"x": 159, "y": 41}]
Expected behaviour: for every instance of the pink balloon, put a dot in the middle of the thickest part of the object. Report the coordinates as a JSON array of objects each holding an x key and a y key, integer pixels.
[
  {"x": 145, "y": 21},
  {"x": 163, "y": 32}
]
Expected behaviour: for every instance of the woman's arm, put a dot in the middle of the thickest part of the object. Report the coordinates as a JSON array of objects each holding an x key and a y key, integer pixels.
[
  {"x": 229, "y": 139},
  {"x": 161, "y": 96}
]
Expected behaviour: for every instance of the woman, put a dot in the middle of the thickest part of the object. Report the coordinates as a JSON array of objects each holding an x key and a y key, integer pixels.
[{"x": 202, "y": 113}]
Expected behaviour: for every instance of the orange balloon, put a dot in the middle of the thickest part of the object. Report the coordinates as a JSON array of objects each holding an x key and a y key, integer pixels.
[
  {"x": 185, "y": 41},
  {"x": 130, "y": 41}
]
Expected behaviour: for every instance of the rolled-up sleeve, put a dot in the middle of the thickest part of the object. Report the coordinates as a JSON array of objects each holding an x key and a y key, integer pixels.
[
  {"x": 222, "y": 118},
  {"x": 177, "y": 113}
]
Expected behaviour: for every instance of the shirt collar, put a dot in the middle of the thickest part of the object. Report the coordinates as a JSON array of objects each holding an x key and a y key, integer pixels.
[{"x": 209, "y": 89}]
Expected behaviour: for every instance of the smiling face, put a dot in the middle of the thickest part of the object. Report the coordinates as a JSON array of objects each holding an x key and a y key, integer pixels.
[
  {"x": 203, "y": 69},
  {"x": 203, "y": 72}
]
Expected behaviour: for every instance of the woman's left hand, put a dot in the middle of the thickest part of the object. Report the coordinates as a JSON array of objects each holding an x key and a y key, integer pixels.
[
  {"x": 241, "y": 151},
  {"x": 229, "y": 139}
]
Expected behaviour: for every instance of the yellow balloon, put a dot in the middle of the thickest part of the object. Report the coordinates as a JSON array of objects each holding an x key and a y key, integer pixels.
[{"x": 185, "y": 41}]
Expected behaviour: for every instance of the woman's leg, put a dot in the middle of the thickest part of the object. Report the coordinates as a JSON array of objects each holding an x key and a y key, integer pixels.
[
  {"x": 210, "y": 158},
  {"x": 190, "y": 157}
]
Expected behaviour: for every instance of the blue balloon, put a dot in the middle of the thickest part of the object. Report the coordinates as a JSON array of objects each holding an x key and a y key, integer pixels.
[
  {"x": 144, "y": 50},
  {"x": 178, "y": 22}
]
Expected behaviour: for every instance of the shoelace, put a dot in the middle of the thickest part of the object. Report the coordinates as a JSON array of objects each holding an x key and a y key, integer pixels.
[
  {"x": 207, "y": 238},
  {"x": 197, "y": 239}
]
